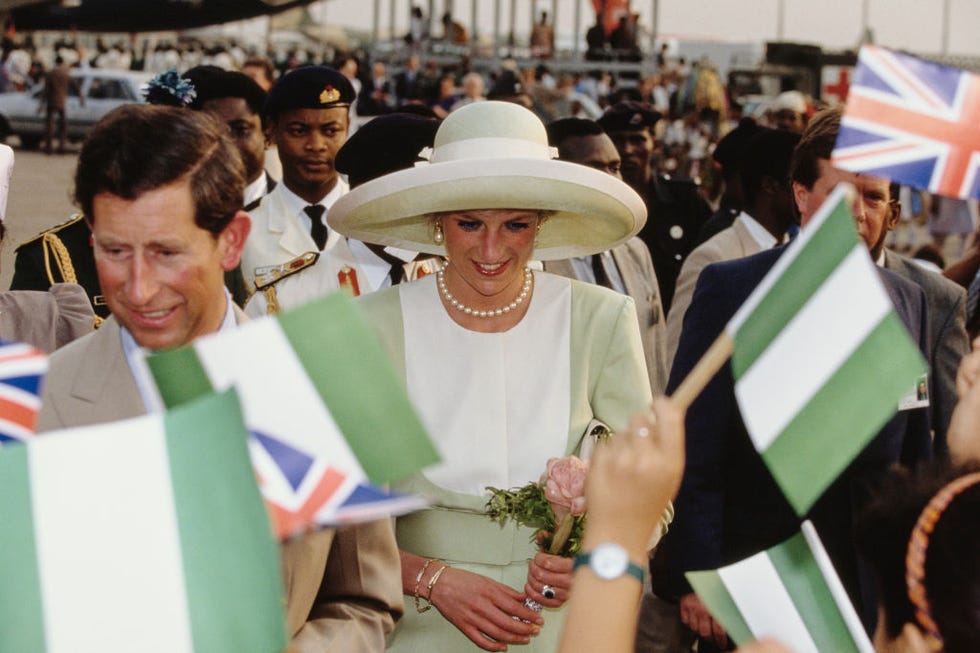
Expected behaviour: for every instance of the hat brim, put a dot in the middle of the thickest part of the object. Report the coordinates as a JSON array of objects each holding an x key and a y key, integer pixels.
[{"x": 592, "y": 210}]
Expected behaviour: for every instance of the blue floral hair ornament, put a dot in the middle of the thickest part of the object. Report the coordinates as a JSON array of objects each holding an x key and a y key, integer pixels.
[{"x": 169, "y": 89}]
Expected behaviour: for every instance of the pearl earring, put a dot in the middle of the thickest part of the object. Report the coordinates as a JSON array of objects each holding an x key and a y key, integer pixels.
[{"x": 437, "y": 236}]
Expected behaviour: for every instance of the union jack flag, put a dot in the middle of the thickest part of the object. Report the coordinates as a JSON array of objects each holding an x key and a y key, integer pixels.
[
  {"x": 913, "y": 122},
  {"x": 302, "y": 492},
  {"x": 21, "y": 369}
]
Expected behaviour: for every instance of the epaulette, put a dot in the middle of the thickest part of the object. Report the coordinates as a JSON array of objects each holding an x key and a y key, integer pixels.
[
  {"x": 53, "y": 230},
  {"x": 272, "y": 274},
  {"x": 267, "y": 277}
]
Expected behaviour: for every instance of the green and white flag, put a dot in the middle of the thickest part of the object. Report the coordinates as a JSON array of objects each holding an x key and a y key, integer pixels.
[
  {"x": 325, "y": 408},
  {"x": 820, "y": 357},
  {"x": 142, "y": 535},
  {"x": 790, "y": 592}
]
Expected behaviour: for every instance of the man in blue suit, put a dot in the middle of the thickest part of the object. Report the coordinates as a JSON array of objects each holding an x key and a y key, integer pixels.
[{"x": 729, "y": 506}]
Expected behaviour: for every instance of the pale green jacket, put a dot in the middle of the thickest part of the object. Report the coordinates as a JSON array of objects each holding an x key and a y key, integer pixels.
[{"x": 609, "y": 383}]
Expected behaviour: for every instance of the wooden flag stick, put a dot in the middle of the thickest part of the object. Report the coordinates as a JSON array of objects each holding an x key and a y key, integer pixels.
[{"x": 692, "y": 385}]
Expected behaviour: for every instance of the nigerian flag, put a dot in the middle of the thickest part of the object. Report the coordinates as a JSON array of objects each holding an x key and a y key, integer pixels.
[
  {"x": 327, "y": 413},
  {"x": 790, "y": 592},
  {"x": 141, "y": 535},
  {"x": 820, "y": 358}
]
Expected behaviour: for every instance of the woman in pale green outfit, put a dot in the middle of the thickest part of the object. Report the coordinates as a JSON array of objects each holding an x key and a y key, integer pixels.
[{"x": 506, "y": 366}]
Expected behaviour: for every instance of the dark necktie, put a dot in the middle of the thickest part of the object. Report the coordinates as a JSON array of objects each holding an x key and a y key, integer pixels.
[
  {"x": 318, "y": 230},
  {"x": 397, "y": 270},
  {"x": 599, "y": 270}
]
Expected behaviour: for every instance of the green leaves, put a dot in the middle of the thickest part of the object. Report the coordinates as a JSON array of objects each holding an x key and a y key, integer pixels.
[{"x": 528, "y": 506}]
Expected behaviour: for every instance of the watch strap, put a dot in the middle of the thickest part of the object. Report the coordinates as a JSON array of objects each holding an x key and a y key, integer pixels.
[{"x": 633, "y": 569}]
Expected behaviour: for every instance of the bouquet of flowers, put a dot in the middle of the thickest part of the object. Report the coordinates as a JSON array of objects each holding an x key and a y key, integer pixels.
[{"x": 554, "y": 506}]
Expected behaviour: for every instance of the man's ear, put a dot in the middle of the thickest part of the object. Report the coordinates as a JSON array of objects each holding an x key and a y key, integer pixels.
[
  {"x": 801, "y": 194},
  {"x": 894, "y": 215},
  {"x": 232, "y": 240}
]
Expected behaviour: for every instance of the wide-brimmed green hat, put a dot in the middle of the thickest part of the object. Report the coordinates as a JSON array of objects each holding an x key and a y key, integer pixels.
[{"x": 493, "y": 155}]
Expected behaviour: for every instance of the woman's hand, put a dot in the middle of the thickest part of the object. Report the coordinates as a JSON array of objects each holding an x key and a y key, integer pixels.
[
  {"x": 484, "y": 609},
  {"x": 554, "y": 571},
  {"x": 633, "y": 476}
]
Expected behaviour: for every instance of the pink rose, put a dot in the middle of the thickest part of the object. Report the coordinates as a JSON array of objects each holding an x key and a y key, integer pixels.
[{"x": 564, "y": 485}]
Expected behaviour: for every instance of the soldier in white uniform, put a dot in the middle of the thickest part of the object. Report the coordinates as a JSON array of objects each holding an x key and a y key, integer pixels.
[
  {"x": 307, "y": 116},
  {"x": 387, "y": 143}
]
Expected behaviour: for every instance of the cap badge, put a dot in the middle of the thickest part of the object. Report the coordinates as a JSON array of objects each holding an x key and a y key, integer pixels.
[
  {"x": 329, "y": 95},
  {"x": 636, "y": 119}
]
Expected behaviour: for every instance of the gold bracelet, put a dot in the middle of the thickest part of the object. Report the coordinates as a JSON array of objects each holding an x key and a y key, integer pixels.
[
  {"x": 418, "y": 582},
  {"x": 432, "y": 582}
]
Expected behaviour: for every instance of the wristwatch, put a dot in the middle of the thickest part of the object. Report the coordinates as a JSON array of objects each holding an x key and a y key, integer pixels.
[{"x": 609, "y": 561}]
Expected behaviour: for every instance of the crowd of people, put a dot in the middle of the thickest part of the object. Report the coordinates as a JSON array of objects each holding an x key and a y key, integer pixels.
[{"x": 537, "y": 274}]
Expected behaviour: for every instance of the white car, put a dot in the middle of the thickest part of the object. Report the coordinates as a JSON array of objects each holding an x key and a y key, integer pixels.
[{"x": 104, "y": 90}]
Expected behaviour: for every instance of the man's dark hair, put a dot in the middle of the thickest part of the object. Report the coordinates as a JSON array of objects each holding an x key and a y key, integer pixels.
[
  {"x": 816, "y": 142},
  {"x": 952, "y": 564},
  {"x": 563, "y": 128},
  {"x": 932, "y": 253},
  {"x": 139, "y": 148},
  {"x": 767, "y": 154},
  {"x": 212, "y": 82}
]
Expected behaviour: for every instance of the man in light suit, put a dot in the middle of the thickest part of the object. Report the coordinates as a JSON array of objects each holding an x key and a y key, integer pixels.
[
  {"x": 626, "y": 268},
  {"x": 166, "y": 227},
  {"x": 307, "y": 116},
  {"x": 764, "y": 180},
  {"x": 729, "y": 506}
]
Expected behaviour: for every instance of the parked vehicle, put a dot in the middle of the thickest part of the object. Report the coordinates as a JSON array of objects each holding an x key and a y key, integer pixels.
[{"x": 23, "y": 114}]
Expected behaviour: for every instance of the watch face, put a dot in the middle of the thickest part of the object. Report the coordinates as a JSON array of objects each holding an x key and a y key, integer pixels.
[{"x": 609, "y": 560}]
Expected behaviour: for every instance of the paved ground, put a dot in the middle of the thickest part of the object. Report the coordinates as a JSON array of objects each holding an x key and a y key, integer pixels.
[{"x": 40, "y": 192}]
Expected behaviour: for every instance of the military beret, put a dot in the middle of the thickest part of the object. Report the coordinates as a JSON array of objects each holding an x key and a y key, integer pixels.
[
  {"x": 385, "y": 144},
  {"x": 628, "y": 115},
  {"x": 729, "y": 150},
  {"x": 212, "y": 83},
  {"x": 309, "y": 87}
]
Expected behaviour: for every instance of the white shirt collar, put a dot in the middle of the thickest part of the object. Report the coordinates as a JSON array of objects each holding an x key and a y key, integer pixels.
[
  {"x": 375, "y": 267},
  {"x": 582, "y": 266},
  {"x": 759, "y": 233},
  {"x": 256, "y": 190},
  {"x": 136, "y": 358},
  {"x": 296, "y": 204}
]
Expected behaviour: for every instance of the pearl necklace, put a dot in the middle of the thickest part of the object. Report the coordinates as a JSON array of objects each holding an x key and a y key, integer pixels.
[{"x": 493, "y": 312}]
